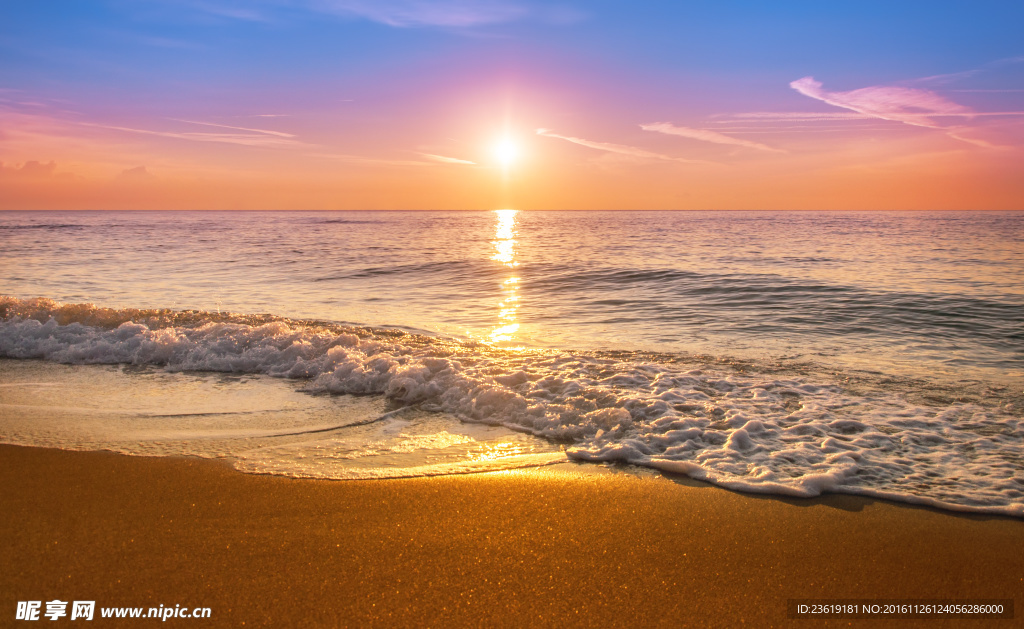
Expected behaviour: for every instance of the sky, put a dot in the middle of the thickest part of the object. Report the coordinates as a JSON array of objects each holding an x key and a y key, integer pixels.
[{"x": 490, "y": 104}]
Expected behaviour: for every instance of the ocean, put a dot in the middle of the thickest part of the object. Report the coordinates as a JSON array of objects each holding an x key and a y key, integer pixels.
[{"x": 793, "y": 353}]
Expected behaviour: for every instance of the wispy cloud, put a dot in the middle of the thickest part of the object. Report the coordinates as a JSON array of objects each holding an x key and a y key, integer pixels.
[
  {"x": 956, "y": 76},
  {"x": 706, "y": 135},
  {"x": 783, "y": 116},
  {"x": 908, "y": 105},
  {"x": 406, "y": 13},
  {"x": 794, "y": 116},
  {"x": 375, "y": 161},
  {"x": 224, "y": 126},
  {"x": 621, "y": 149},
  {"x": 231, "y": 10},
  {"x": 447, "y": 160},
  {"x": 763, "y": 129},
  {"x": 414, "y": 13},
  {"x": 243, "y": 139},
  {"x": 974, "y": 141},
  {"x": 25, "y": 127},
  {"x": 154, "y": 40},
  {"x": 911, "y": 106},
  {"x": 401, "y": 13},
  {"x": 396, "y": 13}
]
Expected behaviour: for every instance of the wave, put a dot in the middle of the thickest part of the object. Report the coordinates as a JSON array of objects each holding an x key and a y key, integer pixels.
[
  {"x": 454, "y": 269},
  {"x": 777, "y": 306},
  {"x": 753, "y": 427},
  {"x": 346, "y": 221},
  {"x": 42, "y": 226}
]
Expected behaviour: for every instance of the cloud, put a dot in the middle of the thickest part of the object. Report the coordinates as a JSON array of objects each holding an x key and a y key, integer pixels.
[
  {"x": 908, "y": 105},
  {"x": 373, "y": 161},
  {"x": 981, "y": 143},
  {"x": 227, "y": 138},
  {"x": 412, "y": 13},
  {"x": 705, "y": 135},
  {"x": 956, "y": 76},
  {"x": 796, "y": 116},
  {"x": 396, "y": 13},
  {"x": 137, "y": 174},
  {"x": 402, "y": 13},
  {"x": 446, "y": 160},
  {"x": 152, "y": 40},
  {"x": 28, "y": 170},
  {"x": 761, "y": 130},
  {"x": 621, "y": 149},
  {"x": 224, "y": 126},
  {"x": 911, "y": 106},
  {"x": 231, "y": 10}
]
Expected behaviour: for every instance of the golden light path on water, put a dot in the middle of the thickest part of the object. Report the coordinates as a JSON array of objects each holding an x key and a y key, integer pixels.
[{"x": 504, "y": 244}]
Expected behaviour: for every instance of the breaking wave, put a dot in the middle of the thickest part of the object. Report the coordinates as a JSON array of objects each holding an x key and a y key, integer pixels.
[{"x": 768, "y": 428}]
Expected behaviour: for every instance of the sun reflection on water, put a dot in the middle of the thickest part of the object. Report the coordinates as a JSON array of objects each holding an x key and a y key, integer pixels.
[
  {"x": 500, "y": 450},
  {"x": 505, "y": 252}
]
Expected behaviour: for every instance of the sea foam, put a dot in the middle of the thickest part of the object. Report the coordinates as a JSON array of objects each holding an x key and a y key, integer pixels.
[{"x": 743, "y": 428}]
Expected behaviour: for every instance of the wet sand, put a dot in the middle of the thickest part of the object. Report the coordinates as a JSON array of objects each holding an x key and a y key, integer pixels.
[{"x": 526, "y": 548}]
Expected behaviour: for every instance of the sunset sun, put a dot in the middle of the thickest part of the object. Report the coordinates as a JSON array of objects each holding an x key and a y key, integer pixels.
[{"x": 507, "y": 152}]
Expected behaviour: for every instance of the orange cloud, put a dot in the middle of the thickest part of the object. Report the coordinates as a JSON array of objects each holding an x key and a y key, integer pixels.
[{"x": 28, "y": 170}]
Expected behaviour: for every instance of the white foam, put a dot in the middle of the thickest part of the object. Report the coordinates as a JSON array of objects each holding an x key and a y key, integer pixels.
[{"x": 751, "y": 432}]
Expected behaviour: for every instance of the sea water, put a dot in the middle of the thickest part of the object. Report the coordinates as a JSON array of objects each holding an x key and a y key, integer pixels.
[{"x": 779, "y": 352}]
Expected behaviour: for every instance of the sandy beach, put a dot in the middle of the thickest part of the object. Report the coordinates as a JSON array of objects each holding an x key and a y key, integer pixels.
[{"x": 526, "y": 548}]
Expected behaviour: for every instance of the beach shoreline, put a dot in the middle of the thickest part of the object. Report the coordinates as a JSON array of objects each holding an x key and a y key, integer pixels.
[{"x": 536, "y": 546}]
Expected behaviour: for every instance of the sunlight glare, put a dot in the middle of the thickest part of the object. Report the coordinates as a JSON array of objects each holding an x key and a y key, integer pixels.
[{"x": 507, "y": 152}]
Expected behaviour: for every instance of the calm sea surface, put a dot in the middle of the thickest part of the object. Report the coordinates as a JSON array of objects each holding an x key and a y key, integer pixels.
[{"x": 730, "y": 346}]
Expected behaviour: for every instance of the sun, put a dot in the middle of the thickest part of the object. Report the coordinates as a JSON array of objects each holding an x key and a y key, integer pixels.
[{"x": 507, "y": 152}]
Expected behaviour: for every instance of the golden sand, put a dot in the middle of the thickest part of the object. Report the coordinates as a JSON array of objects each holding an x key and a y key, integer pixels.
[{"x": 516, "y": 549}]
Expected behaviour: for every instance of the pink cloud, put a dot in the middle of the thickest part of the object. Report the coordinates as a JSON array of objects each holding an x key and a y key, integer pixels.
[
  {"x": 224, "y": 126},
  {"x": 796, "y": 116},
  {"x": 406, "y": 13},
  {"x": 911, "y": 106},
  {"x": 908, "y": 105},
  {"x": 244, "y": 139},
  {"x": 706, "y": 136}
]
